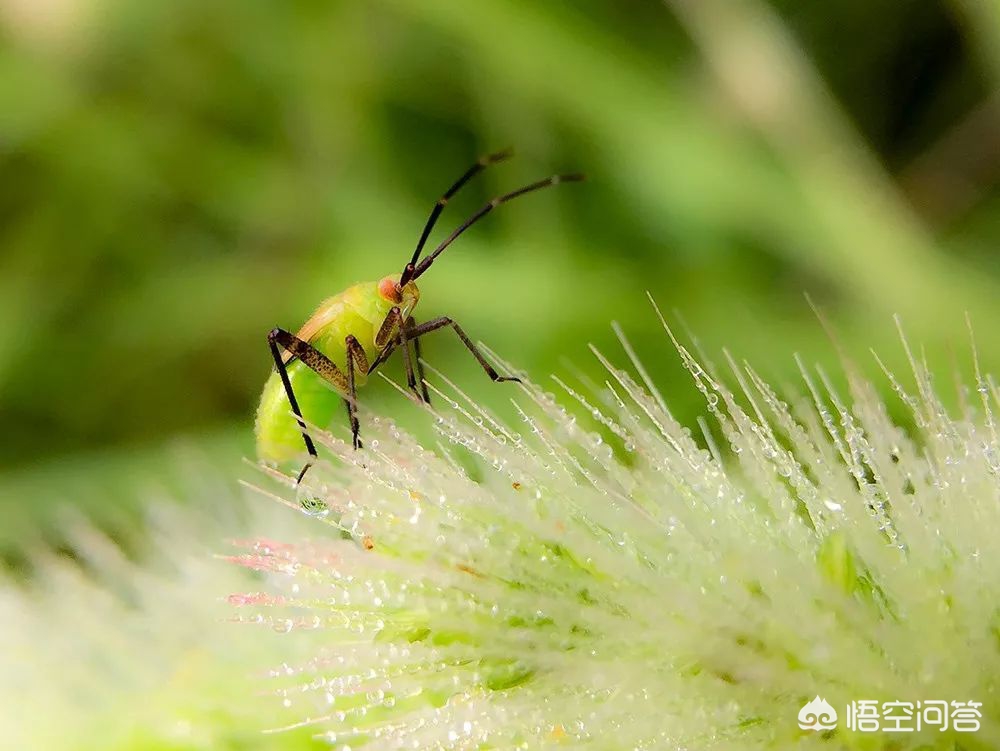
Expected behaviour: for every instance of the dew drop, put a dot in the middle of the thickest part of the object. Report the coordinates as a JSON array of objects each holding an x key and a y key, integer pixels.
[{"x": 314, "y": 506}]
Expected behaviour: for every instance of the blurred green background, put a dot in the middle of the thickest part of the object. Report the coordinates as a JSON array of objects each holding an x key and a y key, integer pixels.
[{"x": 178, "y": 177}]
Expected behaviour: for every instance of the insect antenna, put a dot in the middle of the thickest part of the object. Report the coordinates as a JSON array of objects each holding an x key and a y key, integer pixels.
[
  {"x": 421, "y": 267},
  {"x": 474, "y": 170}
]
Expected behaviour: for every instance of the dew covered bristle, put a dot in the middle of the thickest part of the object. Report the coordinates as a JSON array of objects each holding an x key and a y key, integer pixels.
[{"x": 615, "y": 579}]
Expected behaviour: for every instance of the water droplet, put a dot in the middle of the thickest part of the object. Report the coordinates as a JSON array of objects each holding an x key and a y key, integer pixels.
[
  {"x": 314, "y": 506},
  {"x": 283, "y": 626}
]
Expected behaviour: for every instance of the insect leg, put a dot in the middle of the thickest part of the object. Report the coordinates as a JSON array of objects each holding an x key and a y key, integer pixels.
[
  {"x": 387, "y": 337},
  {"x": 393, "y": 333},
  {"x": 315, "y": 361},
  {"x": 387, "y": 332},
  {"x": 356, "y": 360},
  {"x": 439, "y": 323},
  {"x": 409, "y": 326},
  {"x": 411, "y": 380}
]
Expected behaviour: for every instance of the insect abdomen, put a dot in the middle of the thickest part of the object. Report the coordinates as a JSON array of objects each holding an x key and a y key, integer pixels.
[
  {"x": 357, "y": 311},
  {"x": 278, "y": 435}
]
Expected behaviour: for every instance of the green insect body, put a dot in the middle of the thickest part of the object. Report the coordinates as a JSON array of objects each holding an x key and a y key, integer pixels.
[
  {"x": 351, "y": 334},
  {"x": 360, "y": 310}
]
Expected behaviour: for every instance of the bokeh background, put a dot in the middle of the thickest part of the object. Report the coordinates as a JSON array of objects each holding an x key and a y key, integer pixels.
[{"x": 178, "y": 177}]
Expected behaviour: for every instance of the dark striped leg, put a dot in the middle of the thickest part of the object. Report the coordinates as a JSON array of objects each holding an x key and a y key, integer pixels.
[
  {"x": 395, "y": 332},
  {"x": 278, "y": 339},
  {"x": 279, "y": 363},
  {"x": 391, "y": 334},
  {"x": 439, "y": 323},
  {"x": 409, "y": 326},
  {"x": 357, "y": 361},
  {"x": 402, "y": 342}
]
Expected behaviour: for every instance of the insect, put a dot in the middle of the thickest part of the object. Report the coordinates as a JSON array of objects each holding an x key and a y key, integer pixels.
[{"x": 353, "y": 333}]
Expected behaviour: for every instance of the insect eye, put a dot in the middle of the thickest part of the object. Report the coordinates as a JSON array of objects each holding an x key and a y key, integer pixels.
[{"x": 388, "y": 288}]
